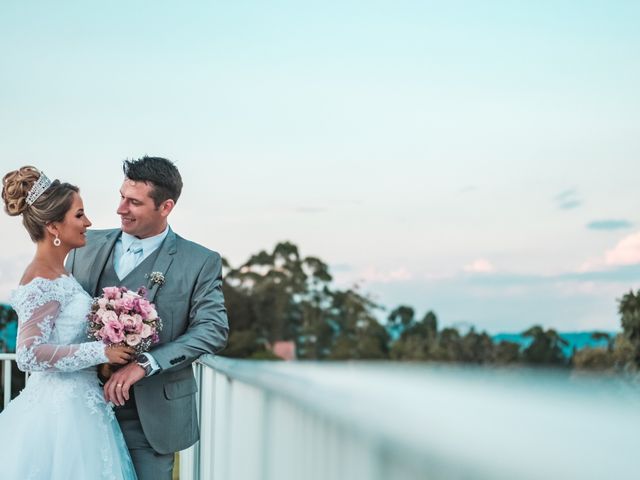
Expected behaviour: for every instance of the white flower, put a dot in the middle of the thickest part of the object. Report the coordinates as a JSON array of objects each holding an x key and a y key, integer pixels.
[{"x": 157, "y": 278}]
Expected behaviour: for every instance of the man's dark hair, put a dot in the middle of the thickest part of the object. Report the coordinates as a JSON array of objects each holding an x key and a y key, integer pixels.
[{"x": 161, "y": 173}]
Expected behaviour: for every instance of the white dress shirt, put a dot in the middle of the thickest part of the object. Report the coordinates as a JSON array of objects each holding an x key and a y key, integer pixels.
[{"x": 149, "y": 245}]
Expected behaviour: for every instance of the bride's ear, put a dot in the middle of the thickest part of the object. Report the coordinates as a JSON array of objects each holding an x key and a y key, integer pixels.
[{"x": 52, "y": 228}]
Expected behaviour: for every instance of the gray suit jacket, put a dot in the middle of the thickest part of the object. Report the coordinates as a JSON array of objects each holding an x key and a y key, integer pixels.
[{"x": 191, "y": 306}]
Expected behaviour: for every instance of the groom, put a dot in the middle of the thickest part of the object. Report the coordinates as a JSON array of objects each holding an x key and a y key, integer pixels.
[{"x": 156, "y": 392}]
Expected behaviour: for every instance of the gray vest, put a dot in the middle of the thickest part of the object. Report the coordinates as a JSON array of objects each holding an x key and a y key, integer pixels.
[{"x": 133, "y": 281}]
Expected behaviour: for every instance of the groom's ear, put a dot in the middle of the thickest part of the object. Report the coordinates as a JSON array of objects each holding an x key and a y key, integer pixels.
[{"x": 166, "y": 207}]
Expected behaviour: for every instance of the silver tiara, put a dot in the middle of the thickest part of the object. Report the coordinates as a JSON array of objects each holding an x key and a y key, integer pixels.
[{"x": 38, "y": 188}]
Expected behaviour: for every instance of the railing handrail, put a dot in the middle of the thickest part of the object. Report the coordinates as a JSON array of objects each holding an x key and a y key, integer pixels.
[{"x": 493, "y": 424}]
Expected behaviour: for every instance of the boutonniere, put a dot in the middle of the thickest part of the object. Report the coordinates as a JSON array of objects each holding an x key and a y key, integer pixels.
[{"x": 156, "y": 278}]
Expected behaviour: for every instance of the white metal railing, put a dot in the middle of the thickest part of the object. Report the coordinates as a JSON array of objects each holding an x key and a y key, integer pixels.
[
  {"x": 6, "y": 359},
  {"x": 382, "y": 421}
]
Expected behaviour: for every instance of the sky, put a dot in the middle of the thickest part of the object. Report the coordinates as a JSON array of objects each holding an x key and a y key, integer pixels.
[{"x": 478, "y": 159}]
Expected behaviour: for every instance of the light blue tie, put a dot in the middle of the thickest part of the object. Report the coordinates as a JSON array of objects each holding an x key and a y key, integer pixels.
[{"x": 129, "y": 259}]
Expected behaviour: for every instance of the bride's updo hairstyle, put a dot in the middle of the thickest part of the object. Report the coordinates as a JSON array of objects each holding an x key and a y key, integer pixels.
[{"x": 51, "y": 206}]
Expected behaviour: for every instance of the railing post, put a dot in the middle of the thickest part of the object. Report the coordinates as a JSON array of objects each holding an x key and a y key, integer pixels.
[
  {"x": 190, "y": 458},
  {"x": 6, "y": 381},
  {"x": 222, "y": 430},
  {"x": 207, "y": 422},
  {"x": 7, "y": 359}
]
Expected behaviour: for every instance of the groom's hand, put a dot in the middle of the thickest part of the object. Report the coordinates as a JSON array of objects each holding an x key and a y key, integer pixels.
[{"x": 116, "y": 389}]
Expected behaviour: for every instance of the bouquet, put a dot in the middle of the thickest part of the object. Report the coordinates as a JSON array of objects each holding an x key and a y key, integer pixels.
[{"x": 121, "y": 317}]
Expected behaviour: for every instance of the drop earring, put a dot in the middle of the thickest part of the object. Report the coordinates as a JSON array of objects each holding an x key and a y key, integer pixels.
[{"x": 56, "y": 241}]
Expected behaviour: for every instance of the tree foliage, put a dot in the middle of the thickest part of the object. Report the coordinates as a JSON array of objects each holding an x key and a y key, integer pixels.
[
  {"x": 546, "y": 347},
  {"x": 7, "y": 316},
  {"x": 282, "y": 295},
  {"x": 629, "y": 309}
]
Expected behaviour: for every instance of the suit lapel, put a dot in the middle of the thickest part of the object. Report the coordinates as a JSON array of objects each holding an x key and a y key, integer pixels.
[
  {"x": 162, "y": 263},
  {"x": 102, "y": 254}
]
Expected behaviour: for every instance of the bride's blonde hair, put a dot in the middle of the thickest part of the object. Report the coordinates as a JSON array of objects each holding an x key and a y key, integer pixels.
[{"x": 49, "y": 207}]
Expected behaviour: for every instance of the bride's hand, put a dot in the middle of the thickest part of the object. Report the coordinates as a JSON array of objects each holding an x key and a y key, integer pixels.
[{"x": 119, "y": 355}]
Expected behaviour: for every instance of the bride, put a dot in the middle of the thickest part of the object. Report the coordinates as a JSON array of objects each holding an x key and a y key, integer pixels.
[{"x": 59, "y": 427}]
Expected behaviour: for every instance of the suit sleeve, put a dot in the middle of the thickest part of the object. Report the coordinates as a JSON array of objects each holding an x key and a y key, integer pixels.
[{"x": 208, "y": 325}]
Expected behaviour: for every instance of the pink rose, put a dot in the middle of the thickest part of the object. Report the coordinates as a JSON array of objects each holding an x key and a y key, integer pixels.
[
  {"x": 98, "y": 315},
  {"x": 116, "y": 337},
  {"x": 111, "y": 293},
  {"x": 138, "y": 323},
  {"x": 133, "y": 339},
  {"x": 103, "y": 302},
  {"x": 129, "y": 301},
  {"x": 131, "y": 323},
  {"x": 147, "y": 331},
  {"x": 113, "y": 332},
  {"x": 107, "y": 316},
  {"x": 128, "y": 322},
  {"x": 145, "y": 308}
]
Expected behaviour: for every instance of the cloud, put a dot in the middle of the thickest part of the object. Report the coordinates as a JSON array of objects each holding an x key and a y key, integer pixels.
[
  {"x": 568, "y": 199},
  {"x": 609, "y": 224},
  {"x": 626, "y": 252},
  {"x": 479, "y": 265}
]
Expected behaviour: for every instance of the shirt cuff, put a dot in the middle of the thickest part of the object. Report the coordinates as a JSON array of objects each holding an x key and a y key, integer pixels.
[{"x": 155, "y": 368}]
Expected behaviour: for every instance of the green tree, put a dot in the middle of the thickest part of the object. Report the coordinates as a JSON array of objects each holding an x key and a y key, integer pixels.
[
  {"x": 594, "y": 359},
  {"x": 449, "y": 347},
  {"x": 282, "y": 296},
  {"x": 629, "y": 309},
  {"x": 545, "y": 349},
  {"x": 418, "y": 339},
  {"x": 358, "y": 334},
  {"x": 477, "y": 348},
  {"x": 402, "y": 317},
  {"x": 7, "y": 316},
  {"x": 506, "y": 353}
]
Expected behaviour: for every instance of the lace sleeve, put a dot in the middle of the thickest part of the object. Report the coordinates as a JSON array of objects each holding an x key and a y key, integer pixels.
[{"x": 37, "y": 310}]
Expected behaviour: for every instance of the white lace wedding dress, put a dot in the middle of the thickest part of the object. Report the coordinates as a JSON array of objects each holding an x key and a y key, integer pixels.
[{"x": 59, "y": 427}]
